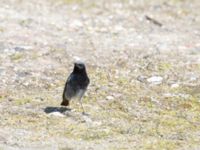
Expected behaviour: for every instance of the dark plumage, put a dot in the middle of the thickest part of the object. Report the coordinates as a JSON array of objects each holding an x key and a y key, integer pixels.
[{"x": 76, "y": 84}]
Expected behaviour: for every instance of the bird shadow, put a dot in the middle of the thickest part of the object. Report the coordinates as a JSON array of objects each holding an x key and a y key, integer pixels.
[{"x": 50, "y": 109}]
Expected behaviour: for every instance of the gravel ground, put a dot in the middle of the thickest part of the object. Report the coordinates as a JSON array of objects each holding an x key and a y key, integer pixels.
[{"x": 142, "y": 57}]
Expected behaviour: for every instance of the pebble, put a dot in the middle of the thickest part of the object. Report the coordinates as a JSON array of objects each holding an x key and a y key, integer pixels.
[
  {"x": 155, "y": 80},
  {"x": 57, "y": 114},
  {"x": 141, "y": 79},
  {"x": 109, "y": 97},
  {"x": 22, "y": 48},
  {"x": 175, "y": 85}
]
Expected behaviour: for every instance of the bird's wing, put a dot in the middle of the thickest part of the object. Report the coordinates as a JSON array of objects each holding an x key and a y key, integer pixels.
[{"x": 70, "y": 87}]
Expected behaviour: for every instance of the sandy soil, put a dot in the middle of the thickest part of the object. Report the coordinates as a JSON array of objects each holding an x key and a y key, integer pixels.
[{"x": 142, "y": 58}]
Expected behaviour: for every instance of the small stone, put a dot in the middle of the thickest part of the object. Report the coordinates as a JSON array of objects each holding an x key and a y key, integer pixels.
[
  {"x": 109, "y": 97},
  {"x": 57, "y": 114},
  {"x": 155, "y": 80},
  {"x": 22, "y": 48},
  {"x": 141, "y": 78},
  {"x": 175, "y": 85},
  {"x": 193, "y": 78}
]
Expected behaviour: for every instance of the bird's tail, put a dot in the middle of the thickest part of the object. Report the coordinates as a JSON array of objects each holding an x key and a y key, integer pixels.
[{"x": 65, "y": 102}]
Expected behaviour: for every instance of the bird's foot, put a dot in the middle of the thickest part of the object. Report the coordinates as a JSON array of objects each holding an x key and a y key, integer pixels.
[{"x": 85, "y": 114}]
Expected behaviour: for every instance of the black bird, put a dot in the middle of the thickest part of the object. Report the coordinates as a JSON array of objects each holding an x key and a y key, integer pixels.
[{"x": 76, "y": 84}]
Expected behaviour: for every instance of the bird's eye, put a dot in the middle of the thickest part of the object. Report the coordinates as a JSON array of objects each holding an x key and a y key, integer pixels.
[{"x": 80, "y": 66}]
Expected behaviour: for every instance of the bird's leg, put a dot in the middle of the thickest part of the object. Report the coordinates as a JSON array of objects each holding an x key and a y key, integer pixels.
[
  {"x": 84, "y": 113},
  {"x": 82, "y": 106},
  {"x": 80, "y": 100}
]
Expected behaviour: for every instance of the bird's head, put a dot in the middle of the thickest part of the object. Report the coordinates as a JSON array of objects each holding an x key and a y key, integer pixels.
[{"x": 79, "y": 66}]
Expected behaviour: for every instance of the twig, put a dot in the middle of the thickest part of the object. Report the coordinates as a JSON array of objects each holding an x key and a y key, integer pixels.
[{"x": 153, "y": 21}]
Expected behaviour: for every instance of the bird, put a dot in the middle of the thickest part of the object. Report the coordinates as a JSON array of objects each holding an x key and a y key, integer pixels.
[{"x": 76, "y": 85}]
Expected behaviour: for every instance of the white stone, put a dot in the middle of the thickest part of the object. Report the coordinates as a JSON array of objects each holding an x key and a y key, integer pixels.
[
  {"x": 109, "y": 97},
  {"x": 175, "y": 85},
  {"x": 155, "y": 80},
  {"x": 57, "y": 114}
]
